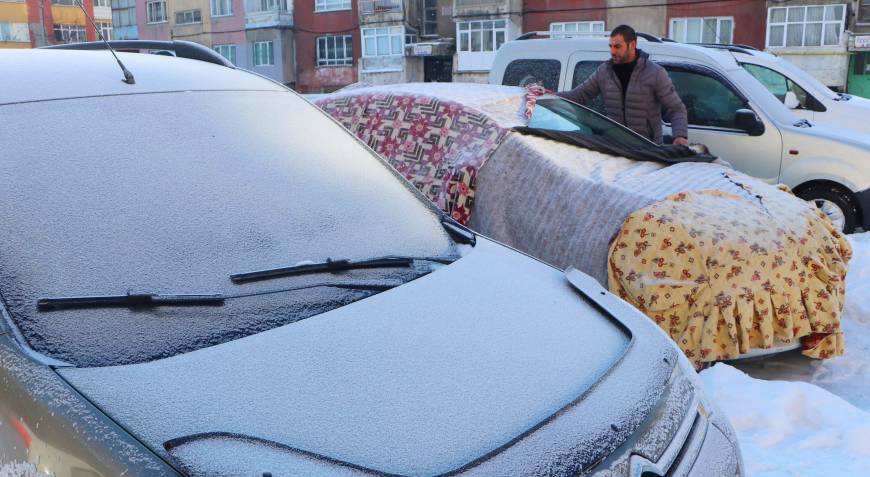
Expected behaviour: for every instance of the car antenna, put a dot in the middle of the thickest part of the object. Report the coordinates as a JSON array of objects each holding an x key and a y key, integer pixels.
[{"x": 128, "y": 77}]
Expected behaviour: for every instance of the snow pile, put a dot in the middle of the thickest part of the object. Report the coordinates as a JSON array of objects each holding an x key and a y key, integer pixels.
[
  {"x": 791, "y": 428},
  {"x": 819, "y": 427}
]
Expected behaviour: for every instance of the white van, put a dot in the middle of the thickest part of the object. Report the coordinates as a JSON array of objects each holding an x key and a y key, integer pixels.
[
  {"x": 728, "y": 110},
  {"x": 805, "y": 95}
]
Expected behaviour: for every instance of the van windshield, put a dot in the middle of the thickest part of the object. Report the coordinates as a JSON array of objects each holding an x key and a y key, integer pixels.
[{"x": 171, "y": 193}]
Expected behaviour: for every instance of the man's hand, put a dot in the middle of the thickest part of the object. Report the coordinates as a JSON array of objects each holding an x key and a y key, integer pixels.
[
  {"x": 534, "y": 89},
  {"x": 681, "y": 141}
]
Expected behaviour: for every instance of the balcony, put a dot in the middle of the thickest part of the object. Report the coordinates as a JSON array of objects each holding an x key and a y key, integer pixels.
[
  {"x": 485, "y": 7},
  {"x": 268, "y": 13},
  {"x": 381, "y": 11}
]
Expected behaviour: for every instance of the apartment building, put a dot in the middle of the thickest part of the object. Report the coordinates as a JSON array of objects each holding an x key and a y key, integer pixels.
[
  {"x": 34, "y": 23},
  {"x": 328, "y": 45},
  {"x": 386, "y": 27},
  {"x": 15, "y": 25},
  {"x": 124, "y": 24},
  {"x": 482, "y": 26},
  {"x": 812, "y": 35}
]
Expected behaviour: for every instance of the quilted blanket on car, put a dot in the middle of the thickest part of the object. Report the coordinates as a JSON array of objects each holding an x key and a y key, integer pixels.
[
  {"x": 723, "y": 273},
  {"x": 437, "y": 145}
]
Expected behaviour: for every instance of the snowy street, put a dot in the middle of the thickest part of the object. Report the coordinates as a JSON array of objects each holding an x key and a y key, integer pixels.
[{"x": 801, "y": 417}]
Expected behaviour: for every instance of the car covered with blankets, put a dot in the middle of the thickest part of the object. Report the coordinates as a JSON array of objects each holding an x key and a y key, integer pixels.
[{"x": 727, "y": 265}]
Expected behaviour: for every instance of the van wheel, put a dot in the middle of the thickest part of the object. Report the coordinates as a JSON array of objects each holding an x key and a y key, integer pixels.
[{"x": 835, "y": 201}]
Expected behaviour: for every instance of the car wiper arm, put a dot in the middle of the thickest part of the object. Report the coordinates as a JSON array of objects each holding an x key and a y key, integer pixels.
[
  {"x": 333, "y": 266},
  {"x": 130, "y": 300}
]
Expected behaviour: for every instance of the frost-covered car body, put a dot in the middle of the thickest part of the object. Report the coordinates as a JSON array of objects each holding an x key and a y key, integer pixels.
[{"x": 472, "y": 359}]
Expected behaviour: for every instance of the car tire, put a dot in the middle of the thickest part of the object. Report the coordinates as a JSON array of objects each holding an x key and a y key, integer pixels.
[{"x": 835, "y": 201}]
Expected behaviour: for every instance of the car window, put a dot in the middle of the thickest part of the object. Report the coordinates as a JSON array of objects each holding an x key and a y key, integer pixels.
[
  {"x": 779, "y": 85},
  {"x": 193, "y": 187},
  {"x": 708, "y": 101},
  {"x": 524, "y": 72},
  {"x": 562, "y": 115},
  {"x": 582, "y": 71}
]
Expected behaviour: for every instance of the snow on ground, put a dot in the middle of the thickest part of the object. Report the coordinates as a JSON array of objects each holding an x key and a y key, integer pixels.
[{"x": 800, "y": 417}]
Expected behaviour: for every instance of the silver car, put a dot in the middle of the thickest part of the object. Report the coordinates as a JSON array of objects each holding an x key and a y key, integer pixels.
[{"x": 203, "y": 274}]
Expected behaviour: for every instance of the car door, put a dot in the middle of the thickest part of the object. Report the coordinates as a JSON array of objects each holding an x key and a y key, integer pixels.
[{"x": 711, "y": 104}]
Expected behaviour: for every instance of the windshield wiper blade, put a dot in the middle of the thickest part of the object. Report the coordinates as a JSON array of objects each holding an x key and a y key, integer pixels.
[
  {"x": 333, "y": 266},
  {"x": 130, "y": 300}
]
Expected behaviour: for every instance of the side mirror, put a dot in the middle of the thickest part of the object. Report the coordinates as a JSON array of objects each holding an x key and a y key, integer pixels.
[
  {"x": 747, "y": 120},
  {"x": 791, "y": 100}
]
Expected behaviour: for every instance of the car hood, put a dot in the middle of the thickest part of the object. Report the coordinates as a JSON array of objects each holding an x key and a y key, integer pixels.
[
  {"x": 439, "y": 374},
  {"x": 823, "y": 137}
]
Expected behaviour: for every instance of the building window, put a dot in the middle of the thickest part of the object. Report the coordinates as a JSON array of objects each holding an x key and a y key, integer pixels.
[
  {"x": 254, "y": 6},
  {"x": 814, "y": 25},
  {"x": 65, "y": 2},
  {"x": 156, "y": 12},
  {"x": 69, "y": 33},
  {"x": 335, "y": 50},
  {"x": 864, "y": 12},
  {"x": 102, "y": 3},
  {"x": 188, "y": 16},
  {"x": 430, "y": 18},
  {"x": 385, "y": 41},
  {"x": 14, "y": 32},
  {"x": 123, "y": 13},
  {"x": 106, "y": 29},
  {"x": 574, "y": 29},
  {"x": 331, "y": 5},
  {"x": 703, "y": 30},
  {"x": 481, "y": 36},
  {"x": 264, "y": 54},
  {"x": 227, "y": 51},
  {"x": 221, "y": 8}
]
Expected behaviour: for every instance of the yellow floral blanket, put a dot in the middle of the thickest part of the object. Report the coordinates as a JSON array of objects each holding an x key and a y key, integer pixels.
[{"x": 722, "y": 273}]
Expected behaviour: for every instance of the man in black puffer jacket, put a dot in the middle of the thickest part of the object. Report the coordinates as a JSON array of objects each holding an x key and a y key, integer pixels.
[{"x": 634, "y": 89}]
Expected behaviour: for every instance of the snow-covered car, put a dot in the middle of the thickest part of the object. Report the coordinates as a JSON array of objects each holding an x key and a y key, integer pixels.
[
  {"x": 202, "y": 274},
  {"x": 700, "y": 248}
]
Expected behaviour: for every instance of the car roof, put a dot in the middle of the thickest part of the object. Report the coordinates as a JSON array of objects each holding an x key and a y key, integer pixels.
[
  {"x": 45, "y": 74},
  {"x": 562, "y": 49}
]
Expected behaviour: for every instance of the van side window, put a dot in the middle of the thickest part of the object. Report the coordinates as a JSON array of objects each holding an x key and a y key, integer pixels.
[
  {"x": 779, "y": 84},
  {"x": 523, "y": 72},
  {"x": 582, "y": 71},
  {"x": 709, "y": 102}
]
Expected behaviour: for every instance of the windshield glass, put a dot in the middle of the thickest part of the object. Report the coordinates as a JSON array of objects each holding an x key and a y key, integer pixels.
[
  {"x": 759, "y": 95},
  {"x": 171, "y": 194},
  {"x": 557, "y": 114},
  {"x": 805, "y": 79}
]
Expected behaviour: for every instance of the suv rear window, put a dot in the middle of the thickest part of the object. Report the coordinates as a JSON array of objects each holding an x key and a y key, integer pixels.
[
  {"x": 582, "y": 71},
  {"x": 171, "y": 194},
  {"x": 523, "y": 72}
]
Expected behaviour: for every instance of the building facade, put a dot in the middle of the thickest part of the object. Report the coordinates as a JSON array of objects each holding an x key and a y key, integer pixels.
[
  {"x": 327, "y": 45},
  {"x": 35, "y": 23},
  {"x": 812, "y": 35},
  {"x": 482, "y": 26}
]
